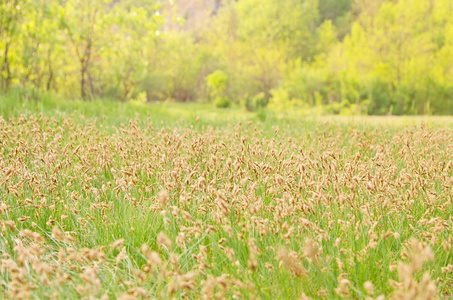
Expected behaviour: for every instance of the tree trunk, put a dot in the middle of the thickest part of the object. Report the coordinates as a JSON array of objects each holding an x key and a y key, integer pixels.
[
  {"x": 6, "y": 82},
  {"x": 82, "y": 83},
  {"x": 50, "y": 78},
  {"x": 84, "y": 63}
]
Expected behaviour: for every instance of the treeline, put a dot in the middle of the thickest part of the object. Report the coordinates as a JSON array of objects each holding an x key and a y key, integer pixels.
[
  {"x": 79, "y": 48},
  {"x": 337, "y": 56}
]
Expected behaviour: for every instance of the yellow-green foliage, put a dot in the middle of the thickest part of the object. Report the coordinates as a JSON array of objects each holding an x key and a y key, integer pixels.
[
  {"x": 217, "y": 82},
  {"x": 346, "y": 57}
]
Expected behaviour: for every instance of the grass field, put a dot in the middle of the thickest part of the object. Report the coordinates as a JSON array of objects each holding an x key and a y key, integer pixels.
[{"x": 162, "y": 201}]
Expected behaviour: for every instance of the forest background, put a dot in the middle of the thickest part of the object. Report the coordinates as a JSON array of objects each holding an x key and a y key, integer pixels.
[{"x": 342, "y": 57}]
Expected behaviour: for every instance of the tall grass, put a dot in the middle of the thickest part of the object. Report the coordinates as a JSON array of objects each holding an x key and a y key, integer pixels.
[{"x": 211, "y": 204}]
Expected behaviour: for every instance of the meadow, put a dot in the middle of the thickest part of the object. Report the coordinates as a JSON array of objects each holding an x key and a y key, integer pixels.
[{"x": 132, "y": 201}]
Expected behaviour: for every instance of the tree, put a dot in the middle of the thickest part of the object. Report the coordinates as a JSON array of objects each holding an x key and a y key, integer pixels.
[
  {"x": 10, "y": 18},
  {"x": 83, "y": 22},
  {"x": 42, "y": 46},
  {"x": 395, "y": 51},
  {"x": 129, "y": 48}
]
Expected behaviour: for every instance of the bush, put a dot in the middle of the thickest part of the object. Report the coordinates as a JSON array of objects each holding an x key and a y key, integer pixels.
[
  {"x": 281, "y": 101},
  {"x": 222, "y": 102},
  {"x": 255, "y": 103},
  {"x": 217, "y": 83}
]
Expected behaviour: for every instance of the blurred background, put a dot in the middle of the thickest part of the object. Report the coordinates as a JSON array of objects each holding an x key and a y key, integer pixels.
[{"x": 347, "y": 57}]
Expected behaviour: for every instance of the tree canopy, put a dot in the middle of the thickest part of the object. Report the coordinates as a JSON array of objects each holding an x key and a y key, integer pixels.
[{"x": 347, "y": 56}]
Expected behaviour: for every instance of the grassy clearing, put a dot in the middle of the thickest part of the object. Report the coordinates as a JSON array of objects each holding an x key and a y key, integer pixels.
[
  {"x": 113, "y": 113},
  {"x": 350, "y": 208}
]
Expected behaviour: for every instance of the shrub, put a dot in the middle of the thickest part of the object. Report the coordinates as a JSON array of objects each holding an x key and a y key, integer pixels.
[
  {"x": 217, "y": 82},
  {"x": 255, "y": 103},
  {"x": 222, "y": 102}
]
